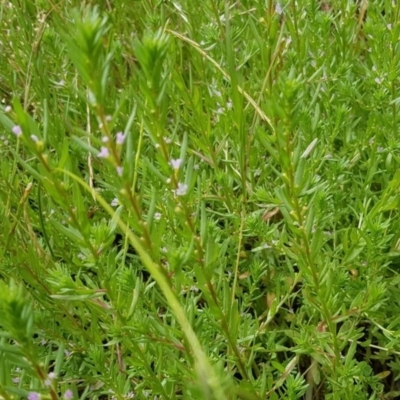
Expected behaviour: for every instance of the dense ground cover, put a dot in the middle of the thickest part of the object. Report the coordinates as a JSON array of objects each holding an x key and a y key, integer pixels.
[{"x": 199, "y": 200}]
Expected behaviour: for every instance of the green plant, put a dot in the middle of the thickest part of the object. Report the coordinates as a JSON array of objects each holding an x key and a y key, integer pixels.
[{"x": 199, "y": 200}]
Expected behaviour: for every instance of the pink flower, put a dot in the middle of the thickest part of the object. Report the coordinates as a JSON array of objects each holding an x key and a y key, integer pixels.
[
  {"x": 182, "y": 189},
  {"x": 103, "y": 153},
  {"x": 120, "y": 138},
  {"x": 33, "y": 396},
  {"x": 176, "y": 163},
  {"x": 114, "y": 202},
  {"x": 49, "y": 378}
]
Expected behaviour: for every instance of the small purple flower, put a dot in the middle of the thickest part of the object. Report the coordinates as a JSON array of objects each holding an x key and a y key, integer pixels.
[
  {"x": 33, "y": 396},
  {"x": 120, "y": 138},
  {"x": 176, "y": 163},
  {"x": 103, "y": 153},
  {"x": 120, "y": 170},
  {"x": 49, "y": 379},
  {"x": 278, "y": 9},
  {"x": 17, "y": 131},
  {"x": 68, "y": 394},
  {"x": 182, "y": 189},
  {"x": 114, "y": 202},
  {"x": 157, "y": 216}
]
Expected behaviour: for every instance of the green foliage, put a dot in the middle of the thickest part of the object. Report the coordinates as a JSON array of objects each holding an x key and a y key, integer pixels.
[{"x": 199, "y": 200}]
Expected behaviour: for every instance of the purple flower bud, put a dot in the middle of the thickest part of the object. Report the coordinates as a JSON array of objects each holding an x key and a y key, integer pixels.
[
  {"x": 17, "y": 131},
  {"x": 33, "y": 396},
  {"x": 68, "y": 394}
]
